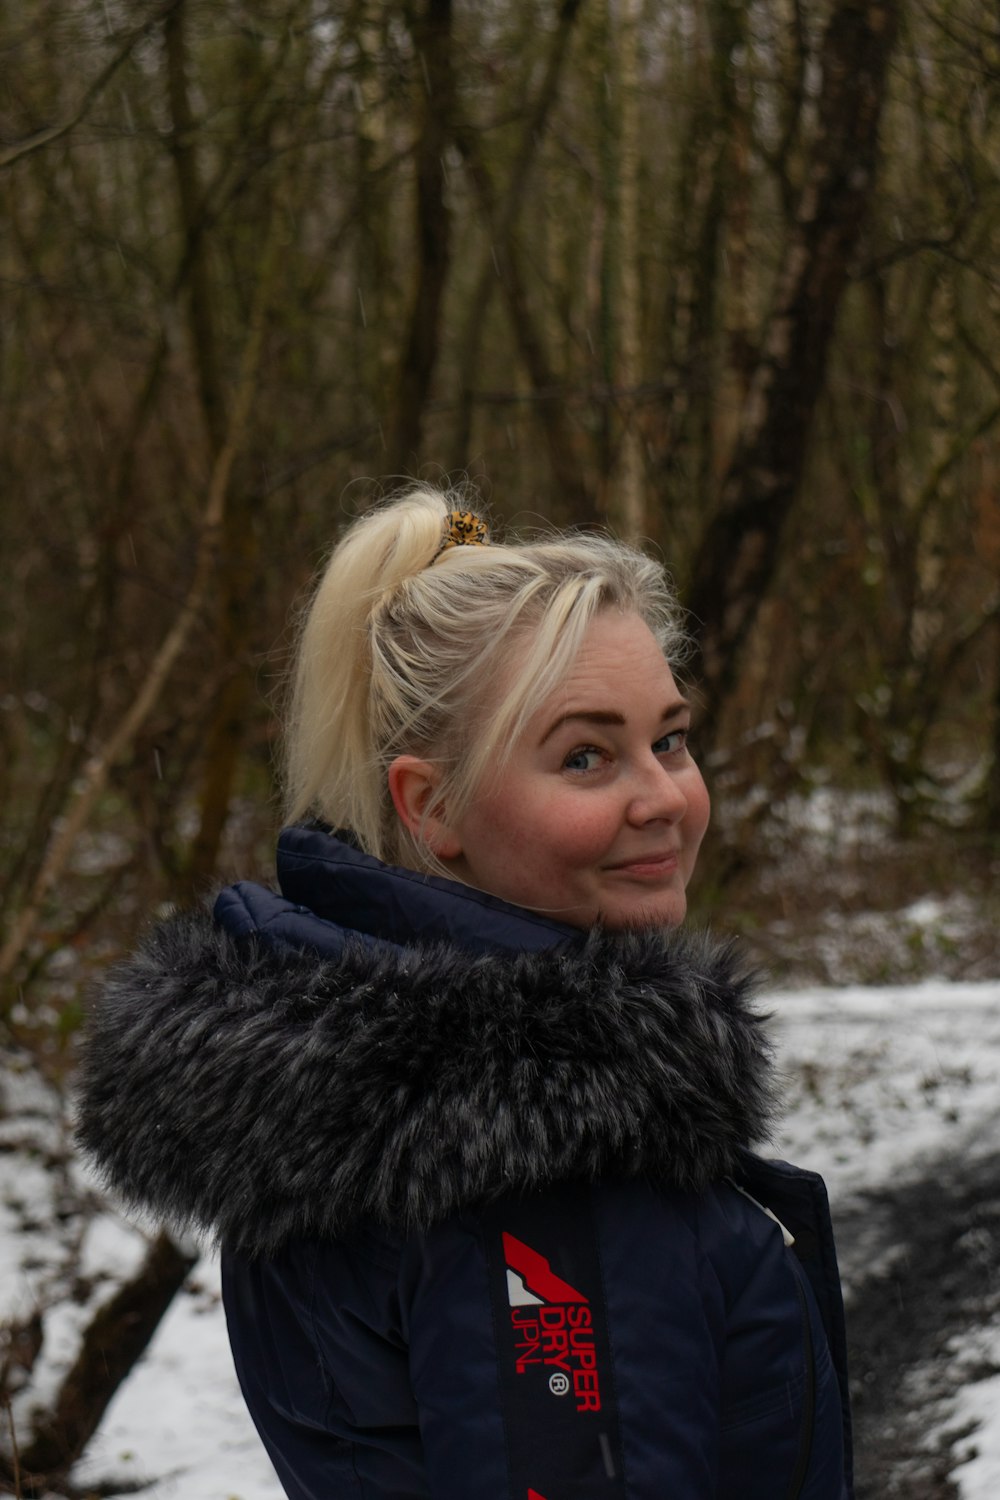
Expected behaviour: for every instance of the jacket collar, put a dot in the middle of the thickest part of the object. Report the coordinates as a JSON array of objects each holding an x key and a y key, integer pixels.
[
  {"x": 273, "y": 1080},
  {"x": 338, "y": 883}
]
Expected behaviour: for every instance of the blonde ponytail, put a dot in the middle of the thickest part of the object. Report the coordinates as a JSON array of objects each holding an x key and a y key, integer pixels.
[{"x": 331, "y": 757}]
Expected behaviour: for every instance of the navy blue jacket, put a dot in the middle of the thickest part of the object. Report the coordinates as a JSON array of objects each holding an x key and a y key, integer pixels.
[{"x": 491, "y": 1225}]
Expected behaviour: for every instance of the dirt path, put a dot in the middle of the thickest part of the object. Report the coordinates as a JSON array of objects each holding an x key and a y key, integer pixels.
[{"x": 921, "y": 1264}]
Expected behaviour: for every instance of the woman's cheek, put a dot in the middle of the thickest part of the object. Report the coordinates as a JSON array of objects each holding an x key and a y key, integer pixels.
[{"x": 583, "y": 837}]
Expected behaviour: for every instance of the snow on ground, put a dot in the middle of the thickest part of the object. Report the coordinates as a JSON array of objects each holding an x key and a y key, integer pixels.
[
  {"x": 975, "y": 1414},
  {"x": 878, "y": 1082},
  {"x": 179, "y": 1423}
]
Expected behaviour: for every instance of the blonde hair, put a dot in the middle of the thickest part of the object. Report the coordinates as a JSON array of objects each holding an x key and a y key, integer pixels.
[{"x": 403, "y": 647}]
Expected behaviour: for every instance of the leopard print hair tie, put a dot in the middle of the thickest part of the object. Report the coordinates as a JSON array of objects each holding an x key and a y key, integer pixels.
[{"x": 462, "y": 528}]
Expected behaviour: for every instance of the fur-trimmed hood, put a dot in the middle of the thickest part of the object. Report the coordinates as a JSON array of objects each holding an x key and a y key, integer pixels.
[{"x": 261, "y": 1091}]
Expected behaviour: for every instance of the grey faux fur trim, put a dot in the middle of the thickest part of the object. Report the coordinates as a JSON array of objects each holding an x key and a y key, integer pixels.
[{"x": 264, "y": 1094}]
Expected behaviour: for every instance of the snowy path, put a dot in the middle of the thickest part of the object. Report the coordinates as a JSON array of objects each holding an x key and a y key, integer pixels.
[
  {"x": 884, "y": 1086},
  {"x": 895, "y": 1097},
  {"x": 925, "y": 1324}
]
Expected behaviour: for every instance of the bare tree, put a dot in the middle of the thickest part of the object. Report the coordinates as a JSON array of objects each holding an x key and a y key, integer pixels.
[{"x": 738, "y": 554}]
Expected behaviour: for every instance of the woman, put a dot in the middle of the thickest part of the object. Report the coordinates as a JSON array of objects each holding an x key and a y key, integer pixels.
[{"x": 469, "y": 1115}]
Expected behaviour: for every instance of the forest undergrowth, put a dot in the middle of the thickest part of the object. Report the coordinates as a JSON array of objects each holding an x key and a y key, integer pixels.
[{"x": 823, "y": 891}]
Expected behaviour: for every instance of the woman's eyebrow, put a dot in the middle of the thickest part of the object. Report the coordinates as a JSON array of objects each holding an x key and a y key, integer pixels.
[{"x": 604, "y": 716}]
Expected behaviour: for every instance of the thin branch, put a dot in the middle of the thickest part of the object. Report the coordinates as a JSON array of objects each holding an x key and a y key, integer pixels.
[
  {"x": 97, "y": 770},
  {"x": 42, "y": 138},
  {"x": 980, "y": 355},
  {"x": 960, "y": 446}
]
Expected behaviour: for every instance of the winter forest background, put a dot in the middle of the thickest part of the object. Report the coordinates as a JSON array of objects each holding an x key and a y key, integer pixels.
[{"x": 720, "y": 273}]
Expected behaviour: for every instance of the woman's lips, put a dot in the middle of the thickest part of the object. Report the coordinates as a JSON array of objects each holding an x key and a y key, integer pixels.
[{"x": 649, "y": 866}]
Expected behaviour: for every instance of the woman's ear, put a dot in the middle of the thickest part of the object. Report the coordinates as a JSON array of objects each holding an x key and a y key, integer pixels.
[{"x": 413, "y": 786}]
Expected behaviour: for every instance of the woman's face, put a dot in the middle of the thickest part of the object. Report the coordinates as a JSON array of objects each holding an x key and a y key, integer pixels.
[{"x": 599, "y": 812}]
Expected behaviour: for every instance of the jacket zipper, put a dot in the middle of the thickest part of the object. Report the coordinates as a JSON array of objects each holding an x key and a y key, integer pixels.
[
  {"x": 786, "y": 1234},
  {"x": 809, "y": 1398}
]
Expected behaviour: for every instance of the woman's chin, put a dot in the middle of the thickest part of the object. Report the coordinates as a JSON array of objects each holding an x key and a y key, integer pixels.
[{"x": 668, "y": 910}]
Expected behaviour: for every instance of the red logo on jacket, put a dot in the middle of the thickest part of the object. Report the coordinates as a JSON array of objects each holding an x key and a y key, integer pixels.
[{"x": 553, "y": 1327}]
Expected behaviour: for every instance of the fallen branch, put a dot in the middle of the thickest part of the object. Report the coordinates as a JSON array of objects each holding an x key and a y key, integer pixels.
[{"x": 115, "y": 1338}]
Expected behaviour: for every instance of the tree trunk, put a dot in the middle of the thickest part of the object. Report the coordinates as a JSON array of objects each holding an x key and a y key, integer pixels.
[
  {"x": 739, "y": 552},
  {"x": 201, "y": 299},
  {"x": 500, "y": 217},
  {"x": 628, "y": 498},
  {"x": 432, "y": 40},
  {"x": 237, "y": 555}
]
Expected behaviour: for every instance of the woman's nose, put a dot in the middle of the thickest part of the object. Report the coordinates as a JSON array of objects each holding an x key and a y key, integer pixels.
[{"x": 658, "y": 796}]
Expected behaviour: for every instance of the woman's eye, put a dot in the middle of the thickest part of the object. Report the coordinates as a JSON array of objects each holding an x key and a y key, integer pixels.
[
  {"x": 672, "y": 743},
  {"x": 586, "y": 758}
]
